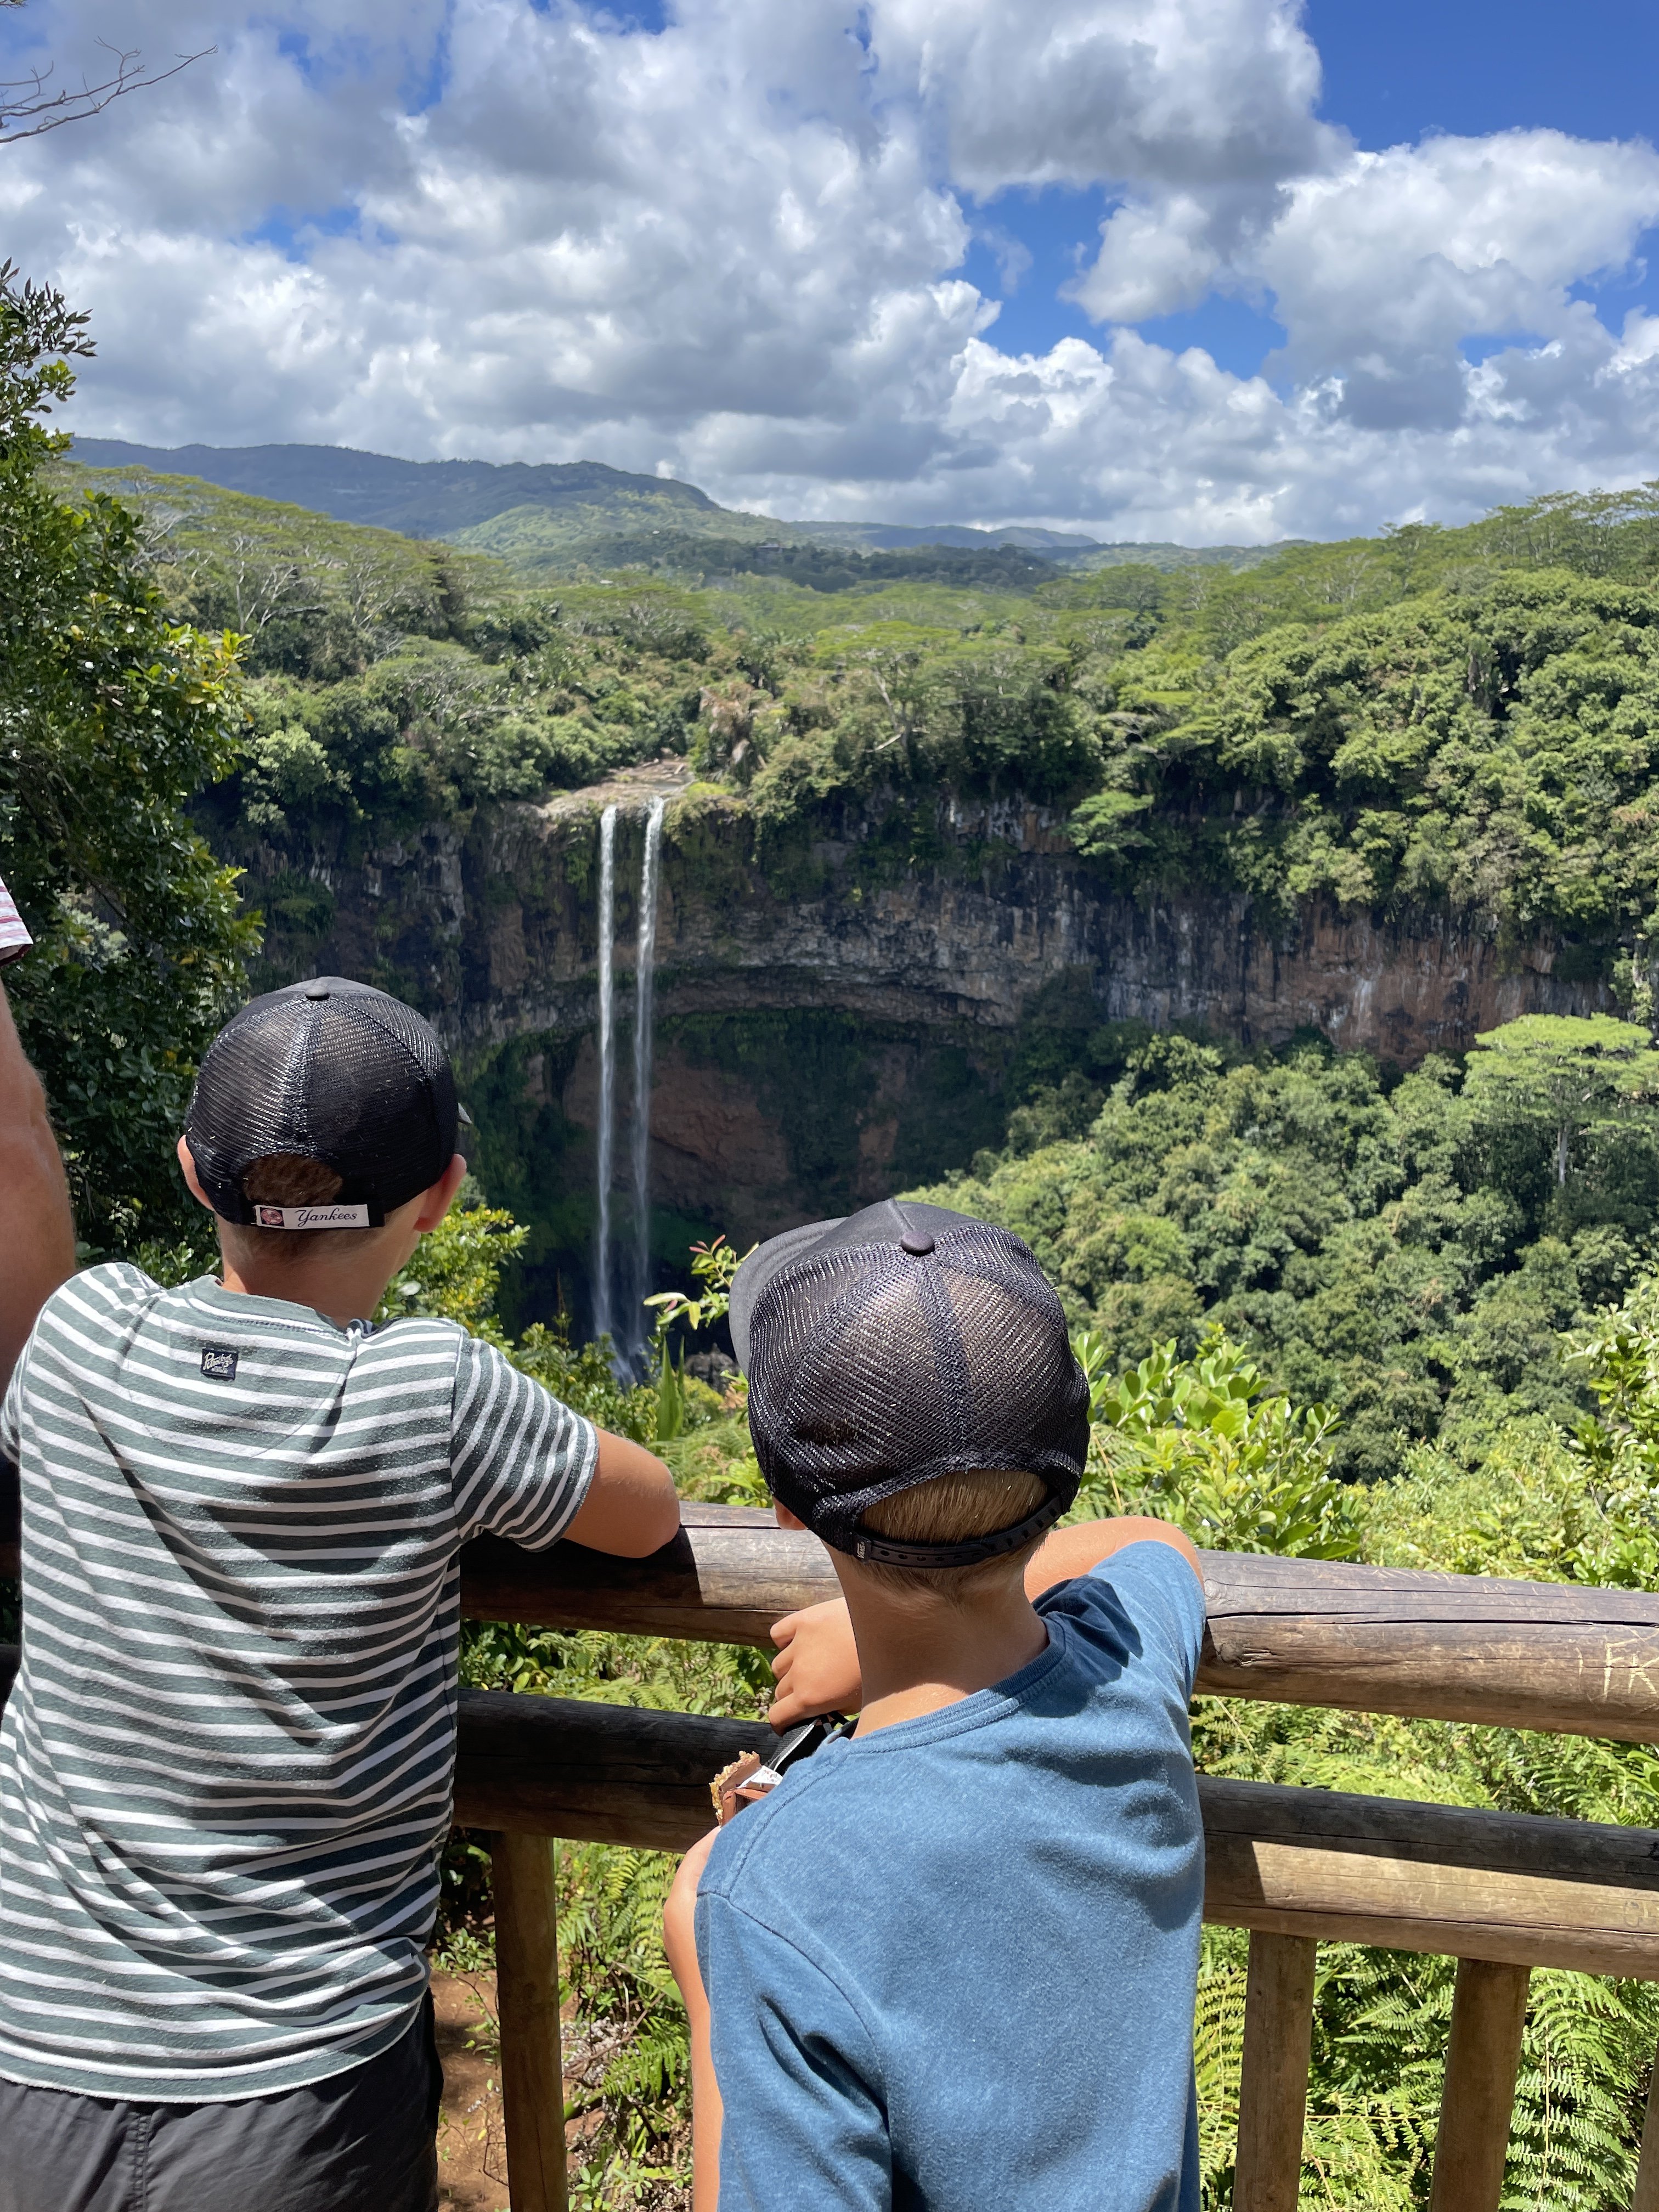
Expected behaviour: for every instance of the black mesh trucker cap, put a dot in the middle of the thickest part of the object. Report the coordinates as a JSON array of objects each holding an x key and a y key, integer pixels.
[
  {"x": 900, "y": 1343},
  {"x": 331, "y": 1071}
]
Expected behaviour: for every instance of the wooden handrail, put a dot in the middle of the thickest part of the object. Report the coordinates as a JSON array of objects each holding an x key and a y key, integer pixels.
[
  {"x": 1512, "y": 1888},
  {"x": 1566, "y": 1657},
  {"x": 1561, "y": 1656},
  {"x": 1508, "y": 1887},
  {"x": 724, "y": 1579},
  {"x": 607, "y": 1774}
]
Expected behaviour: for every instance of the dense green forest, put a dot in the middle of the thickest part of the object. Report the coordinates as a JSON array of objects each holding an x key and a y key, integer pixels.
[
  {"x": 1409, "y": 1252},
  {"x": 1326, "y": 1307},
  {"x": 1438, "y": 718}
]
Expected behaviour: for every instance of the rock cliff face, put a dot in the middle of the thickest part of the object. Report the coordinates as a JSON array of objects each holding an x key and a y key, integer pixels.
[
  {"x": 834, "y": 1015},
  {"x": 501, "y": 926}
]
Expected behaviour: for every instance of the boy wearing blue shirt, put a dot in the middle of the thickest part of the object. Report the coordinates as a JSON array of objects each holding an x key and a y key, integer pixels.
[{"x": 950, "y": 1960}]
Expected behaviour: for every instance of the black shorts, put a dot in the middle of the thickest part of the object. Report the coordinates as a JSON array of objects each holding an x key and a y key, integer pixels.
[{"x": 364, "y": 2141}]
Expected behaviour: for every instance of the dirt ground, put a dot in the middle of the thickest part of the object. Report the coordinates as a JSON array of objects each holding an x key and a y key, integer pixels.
[
  {"x": 471, "y": 2139},
  {"x": 471, "y": 2130}
]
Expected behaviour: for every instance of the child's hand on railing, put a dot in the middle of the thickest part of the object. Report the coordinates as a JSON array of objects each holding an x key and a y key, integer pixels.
[{"x": 816, "y": 1665}]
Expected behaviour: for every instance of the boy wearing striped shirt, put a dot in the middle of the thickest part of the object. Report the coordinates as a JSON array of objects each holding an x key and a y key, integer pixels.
[{"x": 226, "y": 1767}]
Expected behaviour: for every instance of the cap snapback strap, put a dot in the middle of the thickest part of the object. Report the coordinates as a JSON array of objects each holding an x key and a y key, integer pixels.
[
  {"x": 883, "y": 1551},
  {"x": 344, "y": 1212}
]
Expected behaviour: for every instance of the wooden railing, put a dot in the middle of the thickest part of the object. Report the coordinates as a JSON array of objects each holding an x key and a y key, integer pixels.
[
  {"x": 1501, "y": 1892},
  {"x": 1552, "y": 1656}
]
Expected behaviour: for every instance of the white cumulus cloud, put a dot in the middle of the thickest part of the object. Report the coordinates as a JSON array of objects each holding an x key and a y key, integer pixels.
[{"x": 735, "y": 248}]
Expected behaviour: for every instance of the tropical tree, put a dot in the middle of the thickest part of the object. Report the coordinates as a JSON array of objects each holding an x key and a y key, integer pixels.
[
  {"x": 111, "y": 720},
  {"x": 1578, "y": 1080}
]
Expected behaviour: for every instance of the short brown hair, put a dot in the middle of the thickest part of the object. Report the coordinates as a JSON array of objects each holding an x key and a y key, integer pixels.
[
  {"x": 950, "y": 1509},
  {"x": 288, "y": 1179}
]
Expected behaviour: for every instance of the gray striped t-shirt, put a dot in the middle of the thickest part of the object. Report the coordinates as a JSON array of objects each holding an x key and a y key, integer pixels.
[{"x": 225, "y": 1770}]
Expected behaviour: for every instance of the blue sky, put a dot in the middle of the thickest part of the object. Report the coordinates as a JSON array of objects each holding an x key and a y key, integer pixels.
[
  {"x": 1395, "y": 70},
  {"x": 1217, "y": 270}
]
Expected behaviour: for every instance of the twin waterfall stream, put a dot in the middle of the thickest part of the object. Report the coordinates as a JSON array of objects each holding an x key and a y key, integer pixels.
[{"x": 625, "y": 1327}]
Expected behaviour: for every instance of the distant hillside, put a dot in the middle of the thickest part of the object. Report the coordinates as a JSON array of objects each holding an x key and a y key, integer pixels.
[
  {"x": 898, "y": 537},
  {"x": 1064, "y": 548},
  {"x": 538, "y": 539},
  {"x": 1161, "y": 554},
  {"x": 708, "y": 557},
  {"x": 290, "y": 553},
  {"x": 540, "y": 517},
  {"x": 430, "y": 499}
]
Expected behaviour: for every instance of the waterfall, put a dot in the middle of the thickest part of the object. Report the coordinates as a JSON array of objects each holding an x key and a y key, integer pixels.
[
  {"x": 631, "y": 1344},
  {"x": 603, "y": 1324},
  {"x": 644, "y": 976}
]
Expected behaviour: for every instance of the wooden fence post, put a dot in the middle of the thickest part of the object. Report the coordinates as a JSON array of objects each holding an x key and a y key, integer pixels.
[
  {"x": 527, "y": 2008},
  {"x": 1272, "y": 2090},
  {"x": 1646, "y": 2199},
  {"x": 1489, "y": 2013}
]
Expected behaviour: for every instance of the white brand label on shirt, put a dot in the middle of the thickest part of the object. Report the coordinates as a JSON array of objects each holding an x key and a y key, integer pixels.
[{"x": 311, "y": 1216}]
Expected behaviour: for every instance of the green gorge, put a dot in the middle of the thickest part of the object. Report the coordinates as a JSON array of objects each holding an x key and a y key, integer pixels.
[
  {"x": 1270, "y": 938},
  {"x": 1161, "y": 902}
]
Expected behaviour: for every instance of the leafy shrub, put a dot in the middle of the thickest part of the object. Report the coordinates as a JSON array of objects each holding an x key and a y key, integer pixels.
[{"x": 1201, "y": 1444}]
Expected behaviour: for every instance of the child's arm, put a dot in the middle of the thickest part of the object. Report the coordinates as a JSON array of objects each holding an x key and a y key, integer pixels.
[
  {"x": 817, "y": 1663},
  {"x": 631, "y": 1507},
  {"x": 35, "y": 1224},
  {"x": 527, "y": 1468},
  {"x": 679, "y": 1937},
  {"x": 1065, "y": 1553}
]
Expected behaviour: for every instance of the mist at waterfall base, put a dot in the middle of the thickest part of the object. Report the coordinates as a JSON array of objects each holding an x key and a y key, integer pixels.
[{"x": 619, "y": 1309}]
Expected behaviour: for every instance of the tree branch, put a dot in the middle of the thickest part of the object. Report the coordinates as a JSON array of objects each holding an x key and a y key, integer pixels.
[{"x": 28, "y": 108}]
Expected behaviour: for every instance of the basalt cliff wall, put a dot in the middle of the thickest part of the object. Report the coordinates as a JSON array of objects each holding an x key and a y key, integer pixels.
[{"x": 837, "y": 1009}]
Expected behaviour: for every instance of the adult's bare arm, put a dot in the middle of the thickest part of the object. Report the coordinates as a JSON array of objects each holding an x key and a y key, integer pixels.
[{"x": 37, "y": 1230}]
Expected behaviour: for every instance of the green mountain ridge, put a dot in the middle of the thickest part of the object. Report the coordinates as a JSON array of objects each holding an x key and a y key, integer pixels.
[
  {"x": 419, "y": 499},
  {"x": 896, "y": 536},
  {"x": 539, "y": 517}
]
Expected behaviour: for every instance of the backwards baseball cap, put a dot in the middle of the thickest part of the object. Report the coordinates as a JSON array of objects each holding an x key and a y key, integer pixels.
[
  {"x": 333, "y": 1072},
  {"x": 898, "y": 1344}
]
